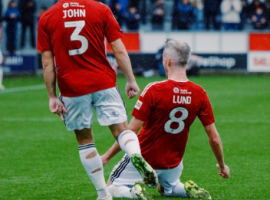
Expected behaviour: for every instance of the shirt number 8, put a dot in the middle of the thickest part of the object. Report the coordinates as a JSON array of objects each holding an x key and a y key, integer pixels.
[{"x": 180, "y": 121}]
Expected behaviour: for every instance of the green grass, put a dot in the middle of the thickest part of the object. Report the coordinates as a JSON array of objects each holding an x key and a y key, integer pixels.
[{"x": 39, "y": 158}]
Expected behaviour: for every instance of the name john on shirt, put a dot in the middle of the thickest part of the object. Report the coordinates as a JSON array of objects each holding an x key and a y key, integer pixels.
[{"x": 74, "y": 13}]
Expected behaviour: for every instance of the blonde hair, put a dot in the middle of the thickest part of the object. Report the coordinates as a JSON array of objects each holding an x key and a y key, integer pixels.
[{"x": 178, "y": 52}]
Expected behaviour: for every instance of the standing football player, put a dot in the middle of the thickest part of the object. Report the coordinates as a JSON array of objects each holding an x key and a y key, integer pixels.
[
  {"x": 72, "y": 34},
  {"x": 165, "y": 111}
]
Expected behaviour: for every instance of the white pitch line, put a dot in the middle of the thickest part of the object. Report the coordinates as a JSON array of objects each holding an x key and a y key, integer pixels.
[
  {"x": 23, "y": 89},
  {"x": 37, "y": 119}
]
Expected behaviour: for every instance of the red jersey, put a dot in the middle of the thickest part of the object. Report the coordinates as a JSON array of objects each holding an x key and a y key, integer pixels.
[
  {"x": 75, "y": 30},
  {"x": 168, "y": 109}
]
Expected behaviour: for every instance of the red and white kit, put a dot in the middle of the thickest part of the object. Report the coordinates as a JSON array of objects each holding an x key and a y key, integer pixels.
[
  {"x": 75, "y": 33},
  {"x": 168, "y": 109}
]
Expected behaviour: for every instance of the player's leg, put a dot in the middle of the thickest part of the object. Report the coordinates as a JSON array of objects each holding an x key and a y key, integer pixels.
[
  {"x": 111, "y": 112},
  {"x": 136, "y": 192},
  {"x": 79, "y": 119},
  {"x": 170, "y": 184},
  {"x": 126, "y": 182},
  {"x": 129, "y": 143},
  {"x": 91, "y": 161},
  {"x": 127, "y": 139},
  {"x": 122, "y": 175}
]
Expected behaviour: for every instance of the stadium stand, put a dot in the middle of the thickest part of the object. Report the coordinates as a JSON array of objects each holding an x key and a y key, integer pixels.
[{"x": 217, "y": 29}]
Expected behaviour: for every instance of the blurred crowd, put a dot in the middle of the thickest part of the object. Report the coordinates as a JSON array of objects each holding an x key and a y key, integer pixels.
[
  {"x": 134, "y": 14},
  {"x": 24, "y": 12},
  {"x": 194, "y": 14}
]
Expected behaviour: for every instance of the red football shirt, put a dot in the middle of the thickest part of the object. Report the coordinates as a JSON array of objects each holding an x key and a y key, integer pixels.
[
  {"x": 75, "y": 30},
  {"x": 168, "y": 109}
]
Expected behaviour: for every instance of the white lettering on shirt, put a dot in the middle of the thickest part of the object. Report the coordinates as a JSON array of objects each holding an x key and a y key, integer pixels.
[
  {"x": 181, "y": 99},
  {"x": 74, "y": 13}
]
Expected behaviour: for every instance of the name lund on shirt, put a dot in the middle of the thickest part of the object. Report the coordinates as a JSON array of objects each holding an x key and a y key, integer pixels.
[
  {"x": 74, "y": 13},
  {"x": 177, "y": 99}
]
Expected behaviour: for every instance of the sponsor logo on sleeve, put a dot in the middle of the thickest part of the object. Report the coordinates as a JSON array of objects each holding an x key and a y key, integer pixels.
[{"x": 138, "y": 105}]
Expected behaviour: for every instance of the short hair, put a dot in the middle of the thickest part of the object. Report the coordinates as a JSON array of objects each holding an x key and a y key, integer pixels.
[{"x": 178, "y": 51}]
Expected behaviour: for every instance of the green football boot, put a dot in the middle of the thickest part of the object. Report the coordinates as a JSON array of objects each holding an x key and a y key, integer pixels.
[
  {"x": 139, "y": 191},
  {"x": 195, "y": 192},
  {"x": 148, "y": 174}
]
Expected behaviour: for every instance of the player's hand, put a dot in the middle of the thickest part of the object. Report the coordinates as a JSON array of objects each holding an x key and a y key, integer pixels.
[
  {"x": 104, "y": 159},
  {"x": 132, "y": 89},
  {"x": 57, "y": 107},
  {"x": 224, "y": 172}
]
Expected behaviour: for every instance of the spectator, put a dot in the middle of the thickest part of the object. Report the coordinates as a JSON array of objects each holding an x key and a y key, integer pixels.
[
  {"x": 184, "y": 15},
  {"x": 267, "y": 5},
  {"x": 27, "y": 10},
  {"x": 244, "y": 14},
  {"x": 143, "y": 12},
  {"x": 197, "y": 7},
  {"x": 212, "y": 14},
  {"x": 158, "y": 14},
  {"x": 174, "y": 15},
  {"x": 132, "y": 19},
  {"x": 231, "y": 10},
  {"x": 259, "y": 20},
  {"x": 12, "y": 17},
  {"x": 135, "y": 3},
  {"x": 119, "y": 9},
  {"x": 253, "y": 7}
]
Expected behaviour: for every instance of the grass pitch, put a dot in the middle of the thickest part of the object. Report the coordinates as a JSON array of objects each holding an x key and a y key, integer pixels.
[{"x": 39, "y": 158}]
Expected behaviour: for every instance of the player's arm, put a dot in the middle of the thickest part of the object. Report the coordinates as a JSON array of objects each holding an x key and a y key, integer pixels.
[
  {"x": 216, "y": 145},
  {"x": 56, "y": 106},
  {"x": 134, "y": 125},
  {"x": 49, "y": 73},
  {"x": 124, "y": 64}
]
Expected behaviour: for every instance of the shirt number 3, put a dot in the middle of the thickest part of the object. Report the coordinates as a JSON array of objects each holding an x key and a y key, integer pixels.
[
  {"x": 78, "y": 25},
  {"x": 173, "y": 118}
]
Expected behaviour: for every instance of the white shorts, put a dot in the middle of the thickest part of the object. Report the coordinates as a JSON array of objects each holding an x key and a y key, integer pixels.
[
  {"x": 109, "y": 106},
  {"x": 125, "y": 174}
]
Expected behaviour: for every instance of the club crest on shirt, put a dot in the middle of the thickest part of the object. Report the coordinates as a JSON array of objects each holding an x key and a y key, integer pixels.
[
  {"x": 176, "y": 90},
  {"x": 65, "y": 5},
  {"x": 138, "y": 105}
]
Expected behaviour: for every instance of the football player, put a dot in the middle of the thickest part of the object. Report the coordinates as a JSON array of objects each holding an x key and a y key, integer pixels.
[
  {"x": 165, "y": 111},
  {"x": 72, "y": 34}
]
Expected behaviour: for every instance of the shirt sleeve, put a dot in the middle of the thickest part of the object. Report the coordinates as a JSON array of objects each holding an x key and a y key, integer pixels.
[
  {"x": 112, "y": 29},
  {"x": 206, "y": 115},
  {"x": 43, "y": 39},
  {"x": 144, "y": 105}
]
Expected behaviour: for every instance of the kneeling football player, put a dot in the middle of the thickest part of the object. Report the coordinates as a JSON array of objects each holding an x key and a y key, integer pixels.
[{"x": 165, "y": 111}]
